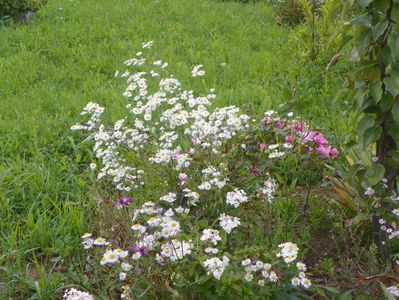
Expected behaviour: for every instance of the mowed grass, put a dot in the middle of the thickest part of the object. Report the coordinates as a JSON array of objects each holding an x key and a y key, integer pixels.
[{"x": 66, "y": 58}]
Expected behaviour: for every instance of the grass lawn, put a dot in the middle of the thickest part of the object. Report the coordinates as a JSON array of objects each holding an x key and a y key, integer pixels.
[{"x": 67, "y": 57}]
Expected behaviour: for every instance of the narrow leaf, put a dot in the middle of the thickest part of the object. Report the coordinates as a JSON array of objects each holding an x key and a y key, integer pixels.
[
  {"x": 393, "y": 43},
  {"x": 376, "y": 90}
]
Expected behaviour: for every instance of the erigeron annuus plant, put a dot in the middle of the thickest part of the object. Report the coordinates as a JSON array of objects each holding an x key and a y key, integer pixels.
[{"x": 189, "y": 201}]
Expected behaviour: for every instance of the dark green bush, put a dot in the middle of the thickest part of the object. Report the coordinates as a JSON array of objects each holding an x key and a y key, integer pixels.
[
  {"x": 289, "y": 12},
  {"x": 14, "y": 8}
]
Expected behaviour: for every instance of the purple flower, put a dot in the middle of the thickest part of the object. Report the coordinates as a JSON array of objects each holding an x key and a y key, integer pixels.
[
  {"x": 125, "y": 201},
  {"x": 136, "y": 249}
]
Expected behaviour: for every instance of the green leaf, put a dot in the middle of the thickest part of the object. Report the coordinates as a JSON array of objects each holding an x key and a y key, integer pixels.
[
  {"x": 364, "y": 42},
  {"x": 394, "y": 132},
  {"x": 363, "y": 3},
  {"x": 381, "y": 5},
  {"x": 375, "y": 173},
  {"x": 394, "y": 155},
  {"x": 366, "y": 123},
  {"x": 379, "y": 29},
  {"x": 372, "y": 73},
  {"x": 393, "y": 43},
  {"x": 376, "y": 90},
  {"x": 344, "y": 41},
  {"x": 386, "y": 102},
  {"x": 359, "y": 98},
  {"x": 386, "y": 54},
  {"x": 392, "y": 85},
  {"x": 395, "y": 112},
  {"x": 395, "y": 12},
  {"x": 364, "y": 19},
  {"x": 370, "y": 135},
  {"x": 355, "y": 56}
]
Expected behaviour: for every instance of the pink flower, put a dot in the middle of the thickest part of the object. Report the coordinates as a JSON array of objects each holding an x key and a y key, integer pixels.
[
  {"x": 299, "y": 126},
  {"x": 262, "y": 147},
  {"x": 268, "y": 120},
  {"x": 288, "y": 139},
  {"x": 323, "y": 151},
  {"x": 309, "y": 136},
  {"x": 183, "y": 176},
  {"x": 320, "y": 140},
  {"x": 334, "y": 153},
  {"x": 280, "y": 124},
  {"x": 254, "y": 170}
]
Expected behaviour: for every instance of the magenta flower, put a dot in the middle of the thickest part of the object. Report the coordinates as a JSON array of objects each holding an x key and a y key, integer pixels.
[
  {"x": 124, "y": 201},
  {"x": 298, "y": 126},
  {"x": 288, "y": 139},
  {"x": 136, "y": 249},
  {"x": 309, "y": 137},
  {"x": 254, "y": 170},
  {"x": 262, "y": 147},
  {"x": 323, "y": 151},
  {"x": 327, "y": 151},
  {"x": 320, "y": 140},
  {"x": 280, "y": 124},
  {"x": 334, "y": 153}
]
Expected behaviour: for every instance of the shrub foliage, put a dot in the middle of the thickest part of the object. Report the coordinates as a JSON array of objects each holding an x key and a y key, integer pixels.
[{"x": 14, "y": 8}]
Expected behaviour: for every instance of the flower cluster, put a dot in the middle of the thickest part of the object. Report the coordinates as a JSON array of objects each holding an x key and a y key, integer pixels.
[
  {"x": 88, "y": 241},
  {"x": 212, "y": 178},
  {"x": 216, "y": 266},
  {"x": 228, "y": 223},
  {"x": 262, "y": 273},
  {"x": 177, "y": 151},
  {"x": 236, "y": 197},
  {"x": 74, "y": 294},
  {"x": 391, "y": 230},
  {"x": 393, "y": 290},
  {"x": 296, "y": 132},
  {"x": 301, "y": 279},
  {"x": 288, "y": 251},
  {"x": 113, "y": 256},
  {"x": 268, "y": 191},
  {"x": 176, "y": 250},
  {"x": 259, "y": 271}
]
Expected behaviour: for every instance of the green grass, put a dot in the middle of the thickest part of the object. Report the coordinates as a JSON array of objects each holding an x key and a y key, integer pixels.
[{"x": 67, "y": 57}]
